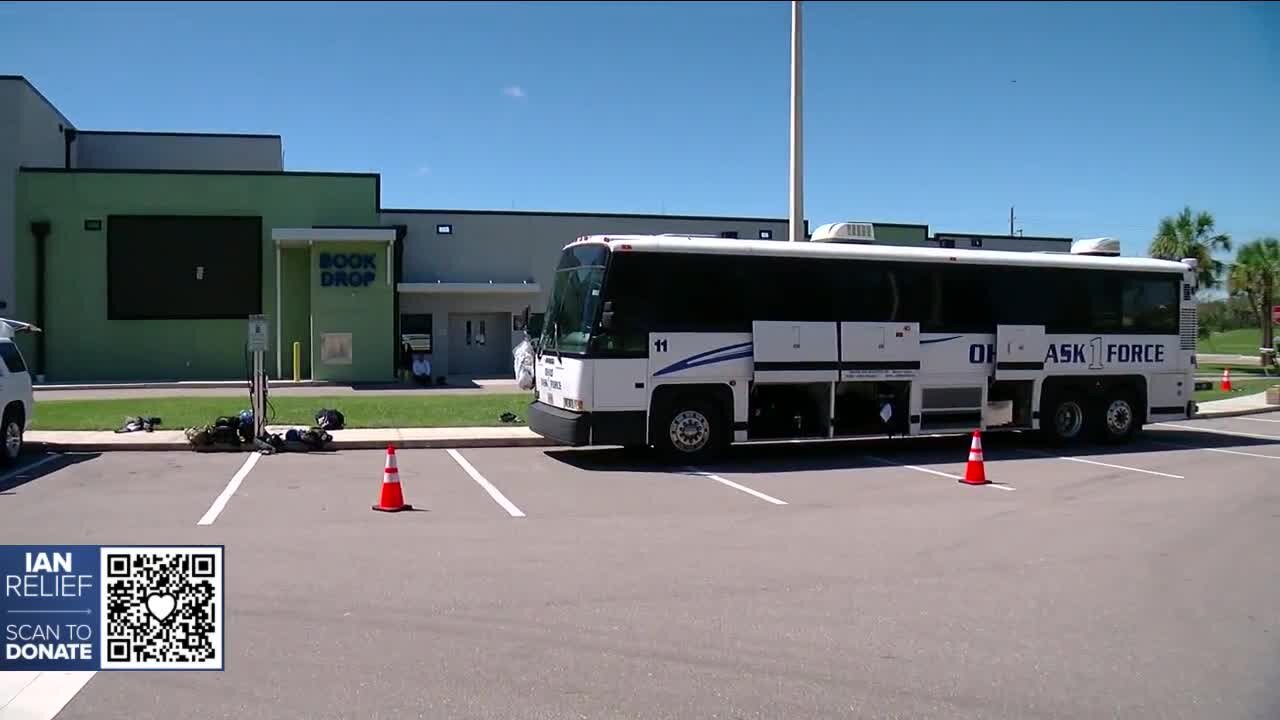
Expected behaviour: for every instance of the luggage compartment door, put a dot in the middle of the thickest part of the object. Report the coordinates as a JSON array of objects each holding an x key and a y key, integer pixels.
[
  {"x": 791, "y": 352},
  {"x": 879, "y": 351},
  {"x": 1020, "y": 352}
]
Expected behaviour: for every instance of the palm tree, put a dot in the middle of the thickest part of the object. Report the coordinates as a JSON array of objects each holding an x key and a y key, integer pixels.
[
  {"x": 1256, "y": 275},
  {"x": 1191, "y": 235}
]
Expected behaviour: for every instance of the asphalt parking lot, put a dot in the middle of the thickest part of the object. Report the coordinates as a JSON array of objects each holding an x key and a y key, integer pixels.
[{"x": 818, "y": 581}]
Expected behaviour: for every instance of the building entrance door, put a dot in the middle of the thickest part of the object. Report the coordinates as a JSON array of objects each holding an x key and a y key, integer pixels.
[{"x": 480, "y": 344}]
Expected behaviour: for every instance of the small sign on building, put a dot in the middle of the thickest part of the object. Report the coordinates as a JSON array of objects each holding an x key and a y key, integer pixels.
[{"x": 258, "y": 333}]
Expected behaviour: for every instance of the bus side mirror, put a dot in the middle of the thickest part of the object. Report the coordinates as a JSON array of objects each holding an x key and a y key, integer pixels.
[{"x": 606, "y": 316}]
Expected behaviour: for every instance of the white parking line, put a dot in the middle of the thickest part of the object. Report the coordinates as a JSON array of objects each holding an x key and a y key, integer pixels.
[
  {"x": 1217, "y": 450},
  {"x": 27, "y": 468},
  {"x": 45, "y": 695},
  {"x": 1102, "y": 464},
  {"x": 221, "y": 501},
  {"x": 494, "y": 493},
  {"x": 917, "y": 468},
  {"x": 14, "y": 682},
  {"x": 736, "y": 486},
  {"x": 1237, "y": 452},
  {"x": 1254, "y": 419},
  {"x": 1219, "y": 432},
  {"x": 890, "y": 463}
]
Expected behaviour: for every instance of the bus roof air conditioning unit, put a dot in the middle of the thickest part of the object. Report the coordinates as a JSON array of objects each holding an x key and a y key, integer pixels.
[
  {"x": 1106, "y": 246},
  {"x": 845, "y": 232}
]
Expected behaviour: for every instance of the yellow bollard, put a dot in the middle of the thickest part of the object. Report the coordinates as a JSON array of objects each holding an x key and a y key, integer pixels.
[{"x": 297, "y": 361}]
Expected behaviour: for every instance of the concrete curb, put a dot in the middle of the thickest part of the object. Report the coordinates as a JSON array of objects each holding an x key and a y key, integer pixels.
[
  {"x": 413, "y": 444},
  {"x": 1236, "y": 413}
]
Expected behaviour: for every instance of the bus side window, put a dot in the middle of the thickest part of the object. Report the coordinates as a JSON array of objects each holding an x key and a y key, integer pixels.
[
  {"x": 916, "y": 290},
  {"x": 628, "y": 286},
  {"x": 864, "y": 291},
  {"x": 964, "y": 299},
  {"x": 1150, "y": 304}
]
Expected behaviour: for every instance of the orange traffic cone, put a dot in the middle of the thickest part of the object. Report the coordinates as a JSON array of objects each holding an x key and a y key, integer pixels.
[
  {"x": 392, "y": 499},
  {"x": 974, "y": 473},
  {"x": 1226, "y": 379}
]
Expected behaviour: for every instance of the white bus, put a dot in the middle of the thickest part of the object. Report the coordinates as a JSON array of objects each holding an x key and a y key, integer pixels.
[{"x": 690, "y": 344}]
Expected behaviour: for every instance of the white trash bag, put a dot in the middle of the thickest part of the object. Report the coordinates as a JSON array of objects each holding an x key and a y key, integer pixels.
[{"x": 523, "y": 354}]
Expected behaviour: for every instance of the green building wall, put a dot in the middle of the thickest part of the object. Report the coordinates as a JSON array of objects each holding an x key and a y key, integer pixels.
[
  {"x": 365, "y": 312},
  {"x": 81, "y": 344},
  {"x": 904, "y": 235}
]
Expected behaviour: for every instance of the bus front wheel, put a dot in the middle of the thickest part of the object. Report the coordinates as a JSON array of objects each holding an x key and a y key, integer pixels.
[{"x": 690, "y": 430}]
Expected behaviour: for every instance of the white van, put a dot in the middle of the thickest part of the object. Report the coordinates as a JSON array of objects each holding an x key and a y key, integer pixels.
[{"x": 17, "y": 402}]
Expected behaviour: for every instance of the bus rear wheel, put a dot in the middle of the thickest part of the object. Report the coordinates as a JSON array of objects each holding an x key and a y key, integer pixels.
[
  {"x": 690, "y": 430},
  {"x": 1118, "y": 417}
]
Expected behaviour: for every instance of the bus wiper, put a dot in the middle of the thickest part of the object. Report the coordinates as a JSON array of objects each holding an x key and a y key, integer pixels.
[{"x": 555, "y": 335}]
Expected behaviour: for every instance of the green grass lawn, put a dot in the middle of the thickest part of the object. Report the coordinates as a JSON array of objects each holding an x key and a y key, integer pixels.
[
  {"x": 375, "y": 411},
  {"x": 1233, "y": 342},
  {"x": 178, "y": 413},
  {"x": 1238, "y": 388}
]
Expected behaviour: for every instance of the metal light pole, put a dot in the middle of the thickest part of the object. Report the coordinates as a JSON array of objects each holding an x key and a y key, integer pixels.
[{"x": 797, "y": 132}]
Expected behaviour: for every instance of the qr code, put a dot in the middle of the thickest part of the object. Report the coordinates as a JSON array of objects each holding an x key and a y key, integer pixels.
[{"x": 162, "y": 608}]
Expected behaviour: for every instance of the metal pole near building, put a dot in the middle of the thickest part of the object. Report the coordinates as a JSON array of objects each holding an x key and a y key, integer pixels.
[
  {"x": 797, "y": 131},
  {"x": 257, "y": 347}
]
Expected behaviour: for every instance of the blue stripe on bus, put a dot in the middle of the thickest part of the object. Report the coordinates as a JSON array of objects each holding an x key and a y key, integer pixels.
[
  {"x": 710, "y": 357},
  {"x": 938, "y": 340}
]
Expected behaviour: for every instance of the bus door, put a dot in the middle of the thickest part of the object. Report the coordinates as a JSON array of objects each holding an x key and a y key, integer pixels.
[{"x": 1020, "y": 352}]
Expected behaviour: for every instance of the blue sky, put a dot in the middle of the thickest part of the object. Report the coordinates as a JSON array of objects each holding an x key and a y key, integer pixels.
[{"x": 1092, "y": 118}]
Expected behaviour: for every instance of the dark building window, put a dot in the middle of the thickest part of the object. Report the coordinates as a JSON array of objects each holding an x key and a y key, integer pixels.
[
  {"x": 185, "y": 267},
  {"x": 415, "y": 333},
  {"x": 729, "y": 234},
  {"x": 444, "y": 229},
  {"x": 947, "y": 243},
  {"x": 415, "y": 324},
  {"x": 975, "y": 242}
]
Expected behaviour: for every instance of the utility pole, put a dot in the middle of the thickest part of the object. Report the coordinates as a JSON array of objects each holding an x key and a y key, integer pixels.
[
  {"x": 797, "y": 131},
  {"x": 1010, "y": 221}
]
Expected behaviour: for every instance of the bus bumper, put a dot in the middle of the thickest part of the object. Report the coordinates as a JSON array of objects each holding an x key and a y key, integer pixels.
[
  {"x": 587, "y": 428},
  {"x": 562, "y": 426}
]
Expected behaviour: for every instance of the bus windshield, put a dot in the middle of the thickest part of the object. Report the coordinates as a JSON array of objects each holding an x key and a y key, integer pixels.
[{"x": 575, "y": 299}]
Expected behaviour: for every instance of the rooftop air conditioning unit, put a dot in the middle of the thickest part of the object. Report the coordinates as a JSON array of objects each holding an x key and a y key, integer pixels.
[
  {"x": 845, "y": 232},
  {"x": 1106, "y": 246}
]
